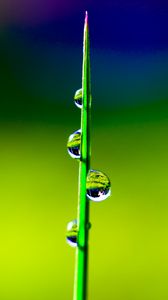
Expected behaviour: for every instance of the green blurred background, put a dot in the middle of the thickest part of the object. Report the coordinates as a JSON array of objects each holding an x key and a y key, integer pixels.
[{"x": 40, "y": 63}]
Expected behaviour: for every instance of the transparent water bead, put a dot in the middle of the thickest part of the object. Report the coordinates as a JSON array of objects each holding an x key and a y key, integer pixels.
[
  {"x": 73, "y": 144},
  {"x": 78, "y": 98},
  {"x": 72, "y": 231},
  {"x": 98, "y": 186}
]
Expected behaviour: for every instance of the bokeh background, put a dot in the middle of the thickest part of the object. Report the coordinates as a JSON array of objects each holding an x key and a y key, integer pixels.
[{"x": 40, "y": 69}]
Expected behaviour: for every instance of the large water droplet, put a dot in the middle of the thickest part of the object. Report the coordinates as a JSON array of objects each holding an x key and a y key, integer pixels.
[
  {"x": 98, "y": 186},
  {"x": 78, "y": 98},
  {"x": 73, "y": 144},
  {"x": 72, "y": 231}
]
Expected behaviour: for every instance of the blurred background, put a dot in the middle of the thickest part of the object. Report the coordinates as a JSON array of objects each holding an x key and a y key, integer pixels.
[{"x": 40, "y": 70}]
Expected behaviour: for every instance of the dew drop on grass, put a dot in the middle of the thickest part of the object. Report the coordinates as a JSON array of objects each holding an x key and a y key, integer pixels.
[
  {"x": 78, "y": 98},
  {"x": 98, "y": 186},
  {"x": 71, "y": 235},
  {"x": 73, "y": 144}
]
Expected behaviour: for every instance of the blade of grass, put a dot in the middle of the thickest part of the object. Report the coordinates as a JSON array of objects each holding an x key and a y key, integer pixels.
[{"x": 81, "y": 267}]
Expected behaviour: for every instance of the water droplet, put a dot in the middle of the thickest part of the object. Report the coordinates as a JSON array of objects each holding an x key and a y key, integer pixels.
[
  {"x": 72, "y": 231},
  {"x": 98, "y": 186},
  {"x": 73, "y": 144},
  {"x": 78, "y": 98}
]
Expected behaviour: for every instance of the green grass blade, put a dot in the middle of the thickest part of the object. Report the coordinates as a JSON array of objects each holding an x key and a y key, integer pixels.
[{"x": 80, "y": 288}]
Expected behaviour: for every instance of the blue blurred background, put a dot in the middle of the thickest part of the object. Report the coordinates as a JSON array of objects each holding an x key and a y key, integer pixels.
[{"x": 40, "y": 69}]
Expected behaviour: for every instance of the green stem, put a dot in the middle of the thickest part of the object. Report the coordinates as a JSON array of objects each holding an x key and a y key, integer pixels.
[{"x": 80, "y": 288}]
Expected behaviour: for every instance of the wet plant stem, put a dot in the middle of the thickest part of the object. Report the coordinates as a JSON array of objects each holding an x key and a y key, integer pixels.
[{"x": 81, "y": 266}]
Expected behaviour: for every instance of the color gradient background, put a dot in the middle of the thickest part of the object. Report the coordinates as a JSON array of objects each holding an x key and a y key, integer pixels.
[{"x": 40, "y": 69}]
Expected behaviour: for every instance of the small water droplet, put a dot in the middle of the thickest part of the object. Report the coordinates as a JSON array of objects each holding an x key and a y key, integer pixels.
[
  {"x": 73, "y": 144},
  {"x": 98, "y": 186},
  {"x": 72, "y": 231},
  {"x": 78, "y": 98}
]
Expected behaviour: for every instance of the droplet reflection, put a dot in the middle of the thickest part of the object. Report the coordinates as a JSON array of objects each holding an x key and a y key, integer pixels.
[
  {"x": 73, "y": 144},
  {"x": 71, "y": 235},
  {"x": 78, "y": 98},
  {"x": 98, "y": 186}
]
